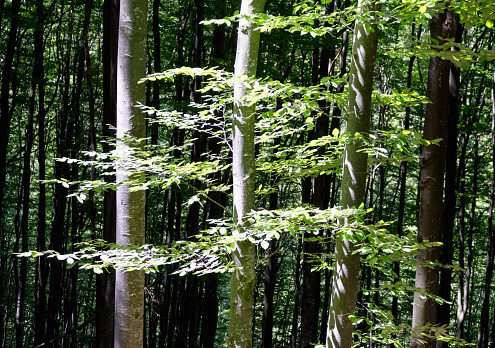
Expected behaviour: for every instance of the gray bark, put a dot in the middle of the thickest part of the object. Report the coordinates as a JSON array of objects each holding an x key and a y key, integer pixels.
[
  {"x": 130, "y": 225},
  {"x": 346, "y": 271},
  {"x": 243, "y": 278}
]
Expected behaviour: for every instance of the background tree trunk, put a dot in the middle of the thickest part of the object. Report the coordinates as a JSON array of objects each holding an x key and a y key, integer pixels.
[
  {"x": 432, "y": 166},
  {"x": 105, "y": 284},
  {"x": 449, "y": 211}
]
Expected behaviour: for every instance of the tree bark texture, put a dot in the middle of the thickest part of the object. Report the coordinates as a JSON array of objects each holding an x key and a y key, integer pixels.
[
  {"x": 130, "y": 225},
  {"x": 448, "y": 212},
  {"x": 358, "y": 118},
  {"x": 243, "y": 279},
  {"x": 432, "y": 167}
]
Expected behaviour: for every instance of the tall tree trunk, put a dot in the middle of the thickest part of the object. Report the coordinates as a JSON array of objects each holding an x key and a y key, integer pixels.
[
  {"x": 5, "y": 119},
  {"x": 215, "y": 207},
  {"x": 157, "y": 64},
  {"x": 270, "y": 273},
  {"x": 41, "y": 269},
  {"x": 130, "y": 225},
  {"x": 58, "y": 229},
  {"x": 297, "y": 290},
  {"x": 448, "y": 212},
  {"x": 402, "y": 189},
  {"x": 492, "y": 193},
  {"x": 24, "y": 226},
  {"x": 465, "y": 278},
  {"x": 189, "y": 309},
  {"x": 432, "y": 166},
  {"x": 243, "y": 279},
  {"x": 105, "y": 284},
  {"x": 483, "y": 333},
  {"x": 347, "y": 264}
]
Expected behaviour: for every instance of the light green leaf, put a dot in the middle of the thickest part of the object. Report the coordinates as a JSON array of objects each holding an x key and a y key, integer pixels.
[{"x": 264, "y": 244}]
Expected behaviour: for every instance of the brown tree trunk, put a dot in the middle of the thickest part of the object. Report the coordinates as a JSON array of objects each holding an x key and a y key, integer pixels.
[
  {"x": 448, "y": 212},
  {"x": 432, "y": 166}
]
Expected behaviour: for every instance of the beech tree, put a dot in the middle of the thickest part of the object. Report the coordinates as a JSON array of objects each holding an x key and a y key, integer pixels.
[
  {"x": 243, "y": 279},
  {"x": 357, "y": 120},
  {"x": 131, "y": 204},
  {"x": 432, "y": 166}
]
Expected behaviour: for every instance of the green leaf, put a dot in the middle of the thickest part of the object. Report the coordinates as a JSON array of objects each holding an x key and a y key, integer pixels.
[{"x": 264, "y": 244}]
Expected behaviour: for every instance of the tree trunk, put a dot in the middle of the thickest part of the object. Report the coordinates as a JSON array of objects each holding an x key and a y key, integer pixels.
[
  {"x": 215, "y": 207},
  {"x": 25, "y": 192},
  {"x": 448, "y": 212},
  {"x": 432, "y": 166},
  {"x": 402, "y": 189},
  {"x": 483, "y": 336},
  {"x": 105, "y": 285},
  {"x": 243, "y": 279},
  {"x": 130, "y": 225},
  {"x": 41, "y": 269},
  {"x": 347, "y": 264},
  {"x": 5, "y": 119}
]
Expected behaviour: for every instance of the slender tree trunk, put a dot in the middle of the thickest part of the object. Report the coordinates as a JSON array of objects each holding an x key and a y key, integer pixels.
[
  {"x": 5, "y": 119},
  {"x": 465, "y": 277},
  {"x": 105, "y": 301},
  {"x": 432, "y": 166},
  {"x": 189, "y": 310},
  {"x": 243, "y": 279},
  {"x": 270, "y": 274},
  {"x": 402, "y": 189},
  {"x": 466, "y": 241},
  {"x": 448, "y": 212},
  {"x": 311, "y": 280},
  {"x": 25, "y": 192},
  {"x": 483, "y": 333},
  {"x": 157, "y": 63},
  {"x": 41, "y": 269},
  {"x": 91, "y": 103},
  {"x": 492, "y": 193},
  {"x": 59, "y": 206},
  {"x": 297, "y": 290},
  {"x": 347, "y": 264},
  {"x": 130, "y": 226},
  {"x": 215, "y": 207}
]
